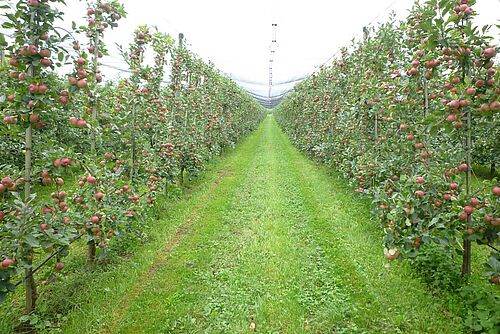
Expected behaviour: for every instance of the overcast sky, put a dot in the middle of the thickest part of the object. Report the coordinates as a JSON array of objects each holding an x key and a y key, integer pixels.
[{"x": 236, "y": 35}]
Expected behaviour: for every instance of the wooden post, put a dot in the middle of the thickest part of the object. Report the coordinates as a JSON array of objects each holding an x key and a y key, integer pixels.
[
  {"x": 29, "y": 283},
  {"x": 467, "y": 255},
  {"x": 134, "y": 158},
  {"x": 94, "y": 96},
  {"x": 426, "y": 97},
  {"x": 177, "y": 93}
]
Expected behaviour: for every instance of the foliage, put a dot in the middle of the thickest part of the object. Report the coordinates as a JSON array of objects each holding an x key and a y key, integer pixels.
[{"x": 125, "y": 142}]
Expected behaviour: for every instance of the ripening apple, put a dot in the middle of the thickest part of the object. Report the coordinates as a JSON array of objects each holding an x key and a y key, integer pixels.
[
  {"x": 42, "y": 89},
  {"x": 7, "y": 262},
  {"x": 65, "y": 162},
  {"x": 468, "y": 209},
  {"x": 453, "y": 104},
  {"x": 99, "y": 196},
  {"x": 33, "y": 88},
  {"x": 94, "y": 219},
  {"x": 59, "y": 266},
  {"x": 475, "y": 202},
  {"x": 72, "y": 80},
  {"x": 489, "y": 53},
  {"x": 419, "y": 180},
  {"x": 82, "y": 83},
  {"x": 485, "y": 107},
  {"x": 470, "y": 91},
  {"x": 419, "y": 193},
  {"x": 496, "y": 191},
  {"x": 63, "y": 99},
  {"x": 34, "y": 118},
  {"x": 81, "y": 73},
  {"x": 45, "y": 53},
  {"x": 392, "y": 254},
  {"x": 463, "y": 167},
  {"x": 72, "y": 120},
  {"x": 463, "y": 216},
  {"x": 44, "y": 226},
  {"x": 495, "y": 105},
  {"x": 46, "y": 62},
  {"x": 91, "y": 179},
  {"x": 32, "y": 50},
  {"x": 81, "y": 123},
  {"x": 7, "y": 181}
]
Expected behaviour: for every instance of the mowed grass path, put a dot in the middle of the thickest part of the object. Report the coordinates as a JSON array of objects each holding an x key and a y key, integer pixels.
[{"x": 268, "y": 238}]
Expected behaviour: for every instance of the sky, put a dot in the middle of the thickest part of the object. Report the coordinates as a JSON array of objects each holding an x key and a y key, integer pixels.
[{"x": 236, "y": 35}]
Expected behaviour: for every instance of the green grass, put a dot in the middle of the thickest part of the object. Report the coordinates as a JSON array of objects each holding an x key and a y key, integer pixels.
[{"x": 265, "y": 235}]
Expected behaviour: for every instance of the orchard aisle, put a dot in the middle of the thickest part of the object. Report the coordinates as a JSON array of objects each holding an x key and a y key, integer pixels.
[{"x": 270, "y": 240}]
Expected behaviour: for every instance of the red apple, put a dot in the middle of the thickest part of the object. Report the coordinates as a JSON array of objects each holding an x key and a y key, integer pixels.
[
  {"x": 63, "y": 99},
  {"x": 489, "y": 53},
  {"x": 82, "y": 83},
  {"x": 34, "y": 118},
  {"x": 419, "y": 193},
  {"x": 7, "y": 262},
  {"x": 46, "y": 62},
  {"x": 475, "y": 202},
  {"x": 470, "y": 91},
  {"x": 468, "y": 209},
  {"x": 81, "y": 123},
  {"x": 45, "y": 53}
]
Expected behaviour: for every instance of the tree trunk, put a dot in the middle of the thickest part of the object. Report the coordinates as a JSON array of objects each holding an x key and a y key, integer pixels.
[
  {"x": 466, "y": 261},
  {"x": 91, "y": 252},
  {"x": 31, "y": 294}
]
